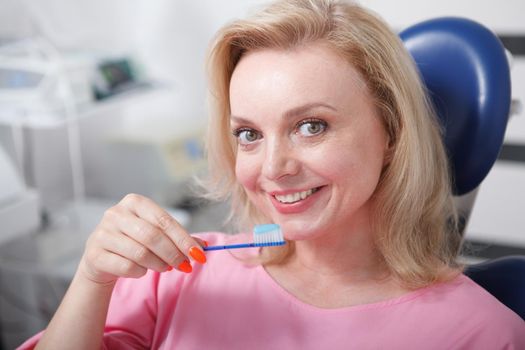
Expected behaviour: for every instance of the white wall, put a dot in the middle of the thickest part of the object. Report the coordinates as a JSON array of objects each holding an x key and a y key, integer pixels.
[
  {"x": 501, "y": 16},
  {"x": 172, "y": 38}
]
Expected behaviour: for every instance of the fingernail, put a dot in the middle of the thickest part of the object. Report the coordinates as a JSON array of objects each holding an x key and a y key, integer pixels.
[
  {"x": 205, "y": 243},
  {"x": 185, "y": 266},
  {"x": 198, "y": 255},
  {"x": 170, "y": 268}
]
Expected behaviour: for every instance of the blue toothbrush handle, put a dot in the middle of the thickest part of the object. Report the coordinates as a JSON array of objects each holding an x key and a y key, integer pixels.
[
  {"x": 241, "y": 245},
  {"x": 231, "y": 246}
]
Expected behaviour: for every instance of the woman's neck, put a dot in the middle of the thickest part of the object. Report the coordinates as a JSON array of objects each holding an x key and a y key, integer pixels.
[
  {"x": 352, "y": 260},
  {"x": 341, "y": 268}
]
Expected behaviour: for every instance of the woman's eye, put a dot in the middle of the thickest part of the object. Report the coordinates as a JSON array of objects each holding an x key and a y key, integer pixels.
[
  {"x": 312, "y": 127},
  {"x": 246, "y": 136}
]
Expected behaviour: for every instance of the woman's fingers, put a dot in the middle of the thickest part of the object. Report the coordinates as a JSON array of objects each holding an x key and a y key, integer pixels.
[
  {"x": 136, "y": 235},
  {"x": 103, "y": 266},
  {"x": 130, "y": 249},
  {"x": 113, "y": 265},
  {"x": 146, "y": 209},
  {"x": 149, "y": 239}
]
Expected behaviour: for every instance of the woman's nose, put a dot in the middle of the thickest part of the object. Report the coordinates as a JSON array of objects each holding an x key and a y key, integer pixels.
[{"x": 280, "y": 160}]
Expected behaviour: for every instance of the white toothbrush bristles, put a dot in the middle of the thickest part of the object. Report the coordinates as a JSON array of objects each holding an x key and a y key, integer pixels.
[{"x": 268, "y": 235}]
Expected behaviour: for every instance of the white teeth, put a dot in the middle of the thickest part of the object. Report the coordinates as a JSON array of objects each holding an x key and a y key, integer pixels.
[{"x": 294, "y": 197}]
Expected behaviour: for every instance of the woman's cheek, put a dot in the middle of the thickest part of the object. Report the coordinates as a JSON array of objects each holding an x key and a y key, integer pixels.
[{"x": 246, "y": 172}]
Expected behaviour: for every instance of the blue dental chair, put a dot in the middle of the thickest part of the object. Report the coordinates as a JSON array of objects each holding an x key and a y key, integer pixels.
[{"x": 466, "y": 72}]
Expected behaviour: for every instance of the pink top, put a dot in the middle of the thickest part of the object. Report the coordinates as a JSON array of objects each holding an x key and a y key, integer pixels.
[{"x": 227, "y": 304}]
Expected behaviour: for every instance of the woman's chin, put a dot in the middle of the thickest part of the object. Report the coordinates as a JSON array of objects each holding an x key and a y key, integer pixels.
[{"x": 294, "y": 232}]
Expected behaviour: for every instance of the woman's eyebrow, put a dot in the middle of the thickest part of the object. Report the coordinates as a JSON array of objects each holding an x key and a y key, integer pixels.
[
  {"x": 240, "y": 120},
  {"x": 303, "y": 109}
]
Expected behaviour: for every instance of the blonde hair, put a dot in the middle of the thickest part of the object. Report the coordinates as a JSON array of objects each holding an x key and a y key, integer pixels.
[{"x": 414, "y": 216}]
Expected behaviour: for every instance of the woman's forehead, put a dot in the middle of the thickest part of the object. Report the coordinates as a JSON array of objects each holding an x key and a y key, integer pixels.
[{"x": 295, "y": 77}]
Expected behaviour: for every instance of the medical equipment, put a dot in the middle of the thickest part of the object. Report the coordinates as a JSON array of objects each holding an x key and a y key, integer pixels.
[
  {"x": 466, "y": 71},
  {"x": 70, "y": 145},
  {"x": 40, "y": 89},
  {"x": 36, "y": 82},
  {"x": 19, "y": 206}
]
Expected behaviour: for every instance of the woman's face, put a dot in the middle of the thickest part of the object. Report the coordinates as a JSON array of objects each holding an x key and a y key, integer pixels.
[{"x": 311, "y": 146}]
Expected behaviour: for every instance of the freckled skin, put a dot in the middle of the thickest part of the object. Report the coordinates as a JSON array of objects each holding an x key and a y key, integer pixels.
[{"x": 344, "y": 159}]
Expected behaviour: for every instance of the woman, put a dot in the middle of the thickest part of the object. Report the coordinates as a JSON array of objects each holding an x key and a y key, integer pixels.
[{"x": 319, "y": 124}]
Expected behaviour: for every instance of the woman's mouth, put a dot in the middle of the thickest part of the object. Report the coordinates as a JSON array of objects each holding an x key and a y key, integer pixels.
[
  {"x": 295, "y": 197},
  {"x": 296, "y": 202}
]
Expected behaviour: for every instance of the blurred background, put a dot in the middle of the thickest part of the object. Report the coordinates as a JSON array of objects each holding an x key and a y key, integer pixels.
[{"x": 105, "y": 97}]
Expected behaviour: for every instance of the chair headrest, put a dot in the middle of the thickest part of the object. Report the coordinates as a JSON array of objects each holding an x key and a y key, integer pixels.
[{"x": 467, "y": 75}]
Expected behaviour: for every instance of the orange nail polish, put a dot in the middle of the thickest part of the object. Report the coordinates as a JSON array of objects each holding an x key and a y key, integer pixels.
[
  {"x": 185, "y": 266},
  {"x": 205, "y": 243},
  {"x": 198, "y": 255}
]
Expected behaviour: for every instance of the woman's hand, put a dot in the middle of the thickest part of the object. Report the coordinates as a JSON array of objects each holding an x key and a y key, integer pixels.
[{"x": 136, "y": 235}]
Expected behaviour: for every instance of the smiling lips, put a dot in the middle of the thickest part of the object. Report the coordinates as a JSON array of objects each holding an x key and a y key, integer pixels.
[
  {"x": 295, "y": 197},
  {"x": 296, "y": 202}
]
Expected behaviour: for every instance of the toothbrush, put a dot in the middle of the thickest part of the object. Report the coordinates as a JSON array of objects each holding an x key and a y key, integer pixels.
[{"x": 266, "y": 235}]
